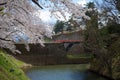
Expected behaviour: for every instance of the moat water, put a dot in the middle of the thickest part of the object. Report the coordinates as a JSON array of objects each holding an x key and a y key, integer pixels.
[{"x": 62, "y": 72}]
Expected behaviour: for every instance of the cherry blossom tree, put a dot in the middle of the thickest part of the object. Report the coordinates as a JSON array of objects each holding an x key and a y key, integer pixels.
[{"x": 17, "y": 17}]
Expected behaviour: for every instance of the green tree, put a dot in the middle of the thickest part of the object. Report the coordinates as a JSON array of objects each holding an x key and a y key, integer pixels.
[
  {"x": 59, "y": 26},
  {"x": 94, "y": 41},
  {"x": 73, "y": 23},
  {"x": 91, "y": 32}
]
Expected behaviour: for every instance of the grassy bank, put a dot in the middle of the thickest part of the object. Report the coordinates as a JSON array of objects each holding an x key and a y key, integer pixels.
[
  {"x": 10, "y": 68},
  {"x": 81, "y": 56}
]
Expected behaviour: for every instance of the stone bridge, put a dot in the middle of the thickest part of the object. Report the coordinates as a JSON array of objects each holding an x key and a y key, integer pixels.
[
  {"x": 52, "y": 53},
  {"x": 55, "y": 52}
]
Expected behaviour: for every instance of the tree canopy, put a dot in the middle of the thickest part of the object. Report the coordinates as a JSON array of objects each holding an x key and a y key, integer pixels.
[{"x": 17, "y": 18}]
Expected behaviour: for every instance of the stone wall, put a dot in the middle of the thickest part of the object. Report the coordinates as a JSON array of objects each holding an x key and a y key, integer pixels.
[
  {"x": 52, "y": 53},
  {"x": 78, "y": 35}
]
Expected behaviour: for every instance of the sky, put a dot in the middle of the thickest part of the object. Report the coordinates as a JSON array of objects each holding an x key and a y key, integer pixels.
[{"x": 46, "y": 17}]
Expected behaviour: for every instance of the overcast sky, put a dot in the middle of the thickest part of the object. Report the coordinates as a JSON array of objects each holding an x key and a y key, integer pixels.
[{"x": 46, "y": 17}]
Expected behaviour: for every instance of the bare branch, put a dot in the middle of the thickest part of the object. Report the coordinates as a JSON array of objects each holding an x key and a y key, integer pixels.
[
  {"x": 19, "y": 22},
  {"x": 3, "y": 3},
  {"x": 36, "y": 2},
  {"x": 4, "y": 39}
]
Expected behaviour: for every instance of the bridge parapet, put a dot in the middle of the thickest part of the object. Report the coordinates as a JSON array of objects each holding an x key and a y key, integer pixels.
[{"x": 69, "y": 37}]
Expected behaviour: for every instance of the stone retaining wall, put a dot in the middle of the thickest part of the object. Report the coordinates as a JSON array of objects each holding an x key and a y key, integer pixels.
[{"x": 52, "y": 53}]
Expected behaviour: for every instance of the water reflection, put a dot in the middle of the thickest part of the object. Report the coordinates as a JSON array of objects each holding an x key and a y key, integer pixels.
[{"x": 64, "y": 73}]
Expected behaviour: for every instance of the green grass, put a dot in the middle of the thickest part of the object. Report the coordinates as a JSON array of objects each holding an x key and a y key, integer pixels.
[
  {"x": 47, "y": 39},
  {"x": 63, "y": 66},
  {"x": 8, "y": 63},
  {"x": 81, "y": 56}
]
